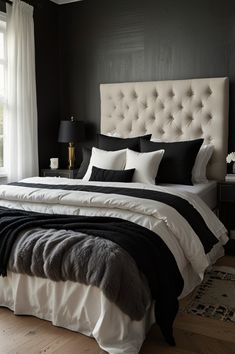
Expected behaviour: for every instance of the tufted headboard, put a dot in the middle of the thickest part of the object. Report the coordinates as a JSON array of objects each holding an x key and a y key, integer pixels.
[{"x": 171, "y": 110}]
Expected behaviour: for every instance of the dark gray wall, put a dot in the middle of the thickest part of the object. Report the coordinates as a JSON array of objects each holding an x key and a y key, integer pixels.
[
  {"x": 47, "y": 78},
  {"x": 131, "y": 40}
]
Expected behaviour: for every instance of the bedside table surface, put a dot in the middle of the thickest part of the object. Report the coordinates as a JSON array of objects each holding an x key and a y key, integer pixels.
[{"x": 59, "y": 172}]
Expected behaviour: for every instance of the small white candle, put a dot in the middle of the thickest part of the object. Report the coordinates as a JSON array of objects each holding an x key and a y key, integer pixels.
[{"x": 54, "y": 163}]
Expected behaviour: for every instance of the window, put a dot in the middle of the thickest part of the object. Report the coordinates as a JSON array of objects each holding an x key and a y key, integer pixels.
[{"x": 3, "y": 69}]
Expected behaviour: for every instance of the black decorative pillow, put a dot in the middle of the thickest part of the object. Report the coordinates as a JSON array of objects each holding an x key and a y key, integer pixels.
[
  {"x": 86, "y": 154},
  {"x": 100, "y": 174},
  {"x": 110, "y": 143},
  {"x": 177, "y": 162}
]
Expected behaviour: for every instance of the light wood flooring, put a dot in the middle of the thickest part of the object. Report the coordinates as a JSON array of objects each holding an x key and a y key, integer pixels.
[{"x": 194, "y": 335}]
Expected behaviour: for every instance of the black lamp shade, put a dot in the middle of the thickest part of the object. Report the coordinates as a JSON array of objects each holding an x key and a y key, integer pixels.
[{"x": 71, "y": 131}]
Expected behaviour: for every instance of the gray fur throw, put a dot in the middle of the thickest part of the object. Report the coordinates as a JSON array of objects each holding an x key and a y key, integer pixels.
[{"x": 62, "y": 255}]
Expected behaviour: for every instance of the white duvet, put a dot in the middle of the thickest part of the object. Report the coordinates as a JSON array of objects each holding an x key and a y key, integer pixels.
[{"x": 112, "y": 329}]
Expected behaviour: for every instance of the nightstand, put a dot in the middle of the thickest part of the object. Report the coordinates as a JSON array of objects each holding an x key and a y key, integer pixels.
[
  {"x": 226, "y": 208},
  {"x": 59, "y": 173}
]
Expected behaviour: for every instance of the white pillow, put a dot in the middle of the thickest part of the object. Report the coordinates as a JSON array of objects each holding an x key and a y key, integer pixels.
[
  {"x": 201, "y": 162},
  {"x": 145, "y": 163},
  {"x": 111, "y": 160}
]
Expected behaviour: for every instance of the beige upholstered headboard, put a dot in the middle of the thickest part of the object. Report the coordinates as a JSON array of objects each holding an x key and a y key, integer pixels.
[{"x": 179, "y": 110}]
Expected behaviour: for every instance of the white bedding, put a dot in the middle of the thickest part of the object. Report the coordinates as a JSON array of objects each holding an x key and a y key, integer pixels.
[{"x": 84, "y": 308}]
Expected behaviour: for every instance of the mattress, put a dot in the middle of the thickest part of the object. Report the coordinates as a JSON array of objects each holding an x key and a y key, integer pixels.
[{"x": 206, "y": 191}]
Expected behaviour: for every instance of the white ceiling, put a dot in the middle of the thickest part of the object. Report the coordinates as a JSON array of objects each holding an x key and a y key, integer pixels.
[{"x": 61, "y": 2}]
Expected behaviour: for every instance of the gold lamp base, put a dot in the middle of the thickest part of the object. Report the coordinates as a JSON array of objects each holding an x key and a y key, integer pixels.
[{"x": 71, "y": 154}]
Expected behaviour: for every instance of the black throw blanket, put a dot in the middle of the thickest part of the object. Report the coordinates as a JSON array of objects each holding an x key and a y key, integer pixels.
[{"x": 150, "y": 253}]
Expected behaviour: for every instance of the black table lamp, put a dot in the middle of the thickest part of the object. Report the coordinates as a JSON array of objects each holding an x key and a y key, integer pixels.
[{"x": 71, "y": 131}]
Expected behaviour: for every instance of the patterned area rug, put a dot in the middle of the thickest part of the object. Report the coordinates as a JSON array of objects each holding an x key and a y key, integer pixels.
[{"x": 215, "y": 297}]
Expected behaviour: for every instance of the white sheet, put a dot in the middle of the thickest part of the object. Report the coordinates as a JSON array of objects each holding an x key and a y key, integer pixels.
[
  {"x": 78, "y": 307},
  {"x": 206, "y": 191}
]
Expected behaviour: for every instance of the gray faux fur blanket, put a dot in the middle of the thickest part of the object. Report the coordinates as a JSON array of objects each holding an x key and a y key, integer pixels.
[{"x": 62, "y": 255}]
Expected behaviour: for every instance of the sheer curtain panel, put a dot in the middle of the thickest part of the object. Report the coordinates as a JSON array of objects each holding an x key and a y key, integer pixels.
[{"x": 21, "y": 134}]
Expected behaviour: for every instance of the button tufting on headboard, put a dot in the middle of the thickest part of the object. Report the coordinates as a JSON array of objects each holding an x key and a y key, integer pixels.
[
  {"x": 121, "y": 95},
  {"x": 155, "y": 94},
  {"x": 180, "y": 106},
  {"x": 209, "y": 116},
  {"x": 190, "y": 92},
  {"x": 200, "y": 105},
  {"x": 134, "y": 95},
  {"x": 171, "y": 94},
  {"x": 209, "y": 91},
  {"x": 180, "y": 109}
]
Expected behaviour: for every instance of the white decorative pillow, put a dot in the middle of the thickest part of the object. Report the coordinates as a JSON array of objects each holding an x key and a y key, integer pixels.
[
  {"x": 111, "y": 160},
  {"x": 201, "y": 162},
  {"x": 145, "y": 164}
]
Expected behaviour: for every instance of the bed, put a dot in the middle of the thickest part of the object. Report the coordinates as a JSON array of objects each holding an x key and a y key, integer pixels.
[{"x": 180, "y": 110}]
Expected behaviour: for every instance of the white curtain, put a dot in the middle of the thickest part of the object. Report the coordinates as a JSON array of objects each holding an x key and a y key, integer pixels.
[{"x": 21, "y": 121}]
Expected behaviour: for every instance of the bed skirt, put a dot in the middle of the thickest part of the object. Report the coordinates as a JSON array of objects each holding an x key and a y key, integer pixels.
[
  {"x": 76, "y": 307},
  {"x": 82, "y": 308}
]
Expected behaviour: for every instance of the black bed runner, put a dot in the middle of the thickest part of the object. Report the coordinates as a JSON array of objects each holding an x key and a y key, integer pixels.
[
  {"x": 183, "y": 207},
  {"x": 150, "y": 253}
]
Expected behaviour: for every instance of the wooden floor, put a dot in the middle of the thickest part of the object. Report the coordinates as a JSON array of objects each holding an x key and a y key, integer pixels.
[{"x": 194, "y": 335}]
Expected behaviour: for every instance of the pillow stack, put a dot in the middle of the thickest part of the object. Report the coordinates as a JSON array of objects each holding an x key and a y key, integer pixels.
[
  {"x": 109, "y": 143},
  {"x": 141, "y": 160}
]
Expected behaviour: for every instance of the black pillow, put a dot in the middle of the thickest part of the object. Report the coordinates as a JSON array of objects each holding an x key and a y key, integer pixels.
[
  {"x": 99, "y": 174},
  {"x": 86, "y": 154},
  {"x": 177, "y": 162},
  {"x": 111, "y": 143}
]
